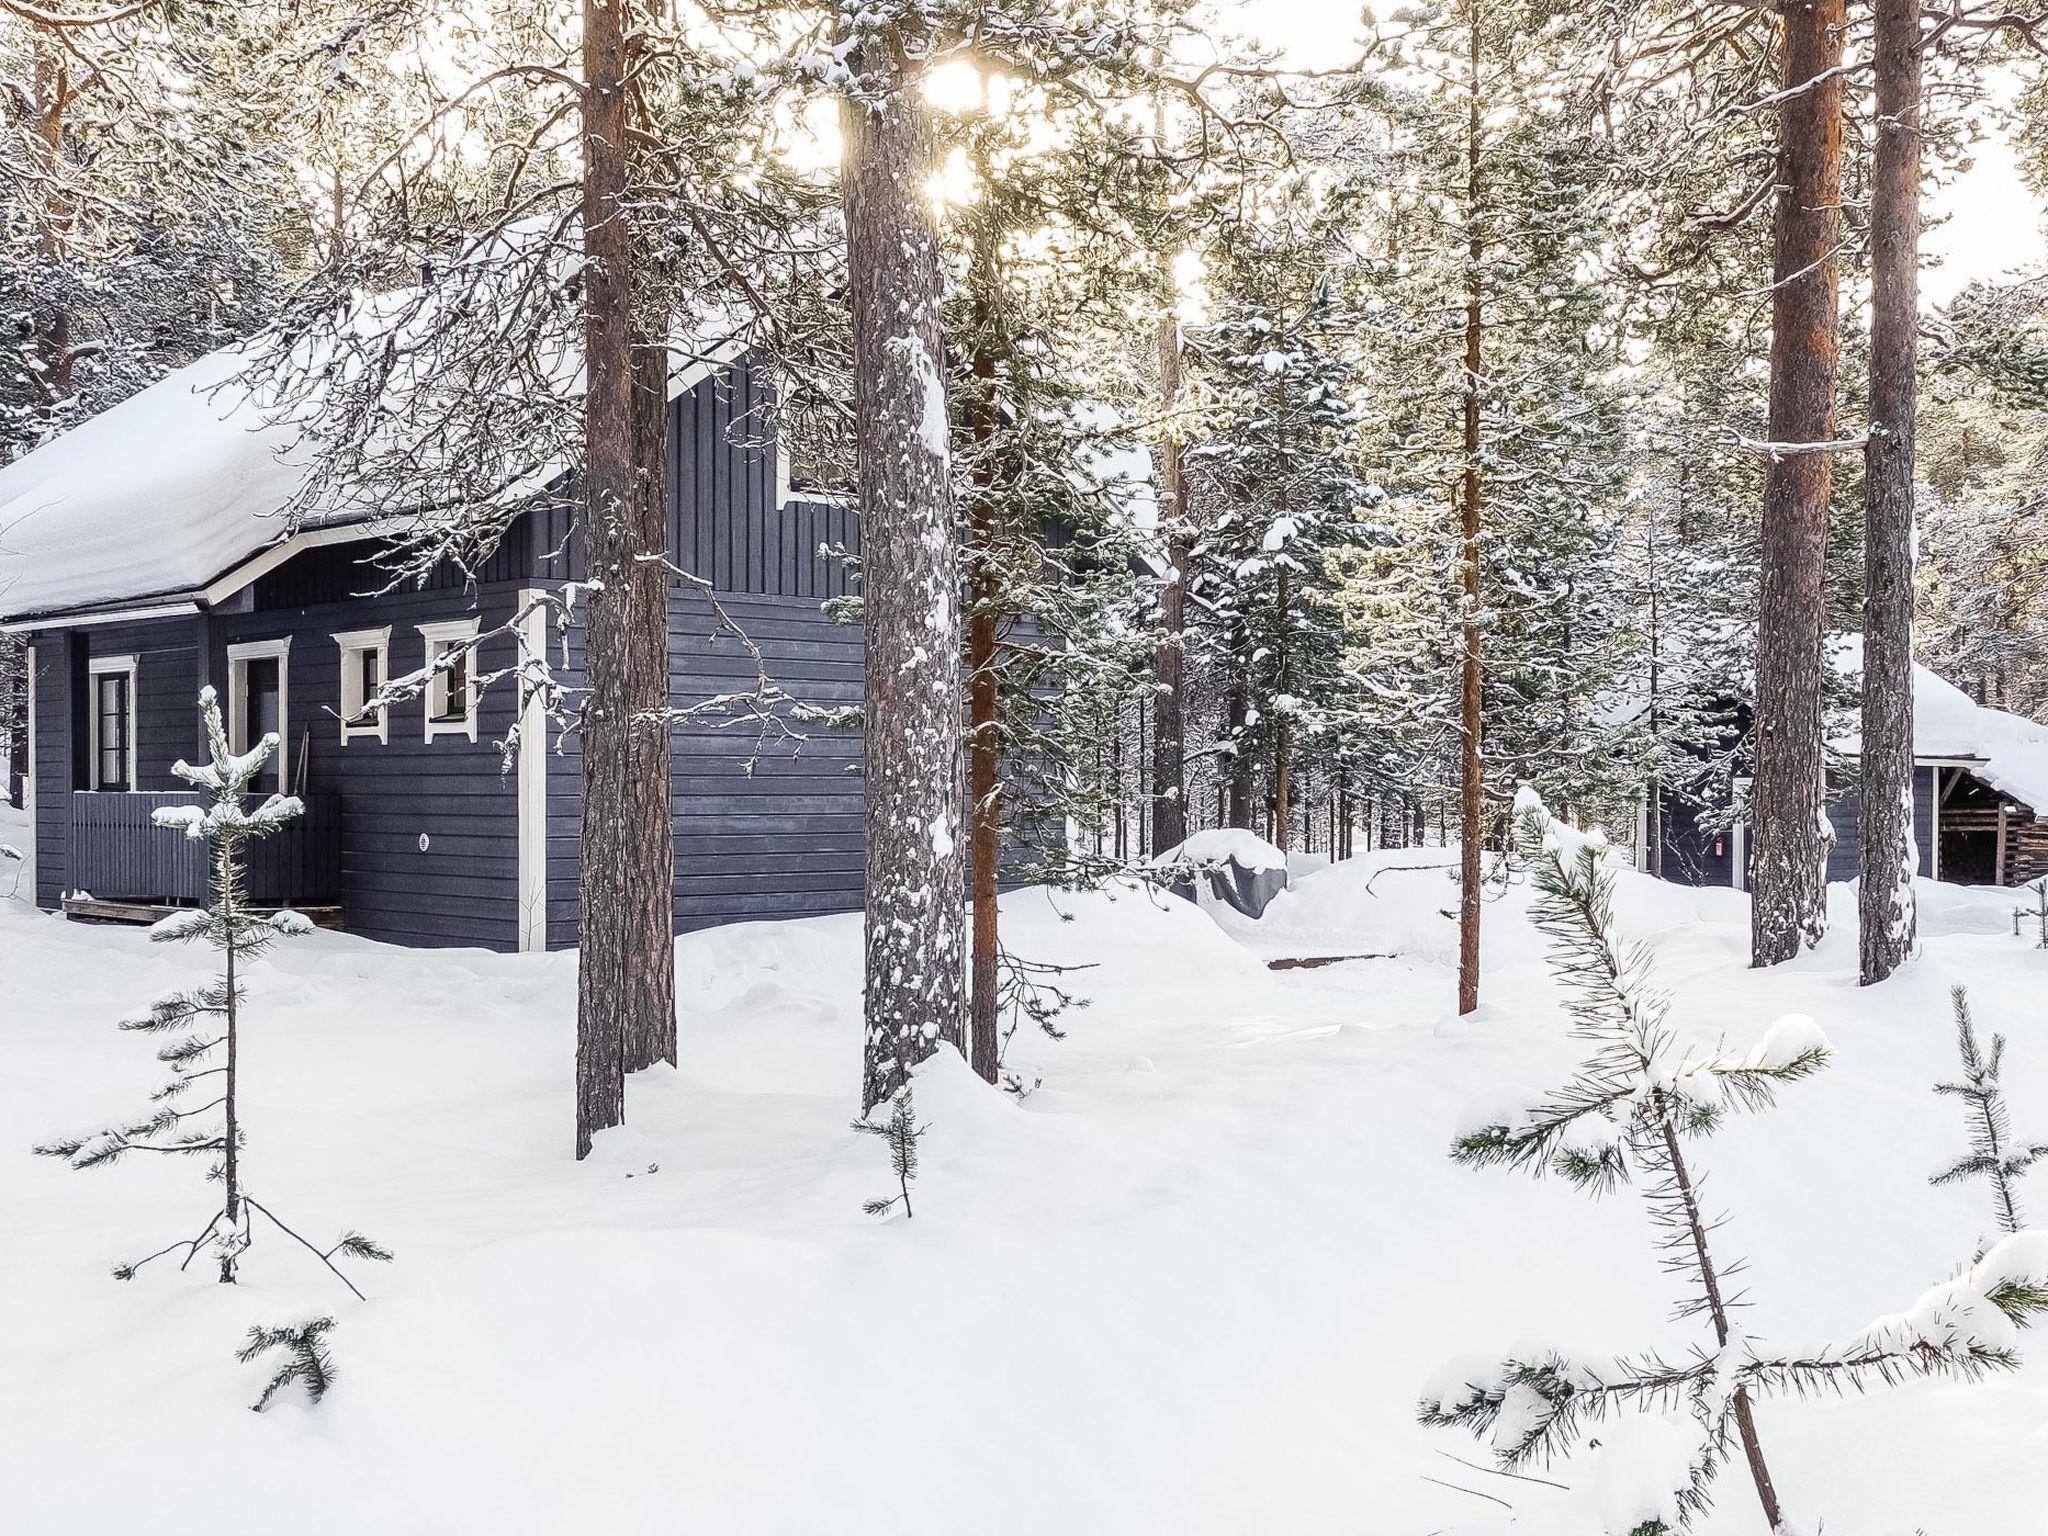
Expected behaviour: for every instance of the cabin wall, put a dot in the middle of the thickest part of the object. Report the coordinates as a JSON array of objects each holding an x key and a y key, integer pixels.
[
  {"x": 462, "y": 888},
  {"x": 782, "y": 839},
  {"x": 1694, "y": 855}
]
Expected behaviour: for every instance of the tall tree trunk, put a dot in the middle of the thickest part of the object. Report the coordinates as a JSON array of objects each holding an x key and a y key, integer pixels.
[
  {"x": 1237, "y": 805},
  {"x": 613, "y": 933},
  {"x": 984, "y": 742},
  {"x": 1471, "y": 771},
  {"x": 18, "y": 660},
  {"x": 1169, "y": 665},
  {"x": 650, "y": 1022},
  {"x": 1884, "y": 907},
  {"x": 1283, "y": 736},
  {"x": 1788, "y": 876},
  {"x": 910, "y": 575}
]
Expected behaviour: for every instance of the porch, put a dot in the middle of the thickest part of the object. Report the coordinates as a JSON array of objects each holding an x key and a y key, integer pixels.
[{"x": 125, "y": 868}]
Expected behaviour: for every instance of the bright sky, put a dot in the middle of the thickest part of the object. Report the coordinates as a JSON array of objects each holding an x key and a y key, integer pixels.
[{"x": 1988, "y": 222}]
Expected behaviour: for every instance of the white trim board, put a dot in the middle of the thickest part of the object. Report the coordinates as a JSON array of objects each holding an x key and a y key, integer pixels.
[
  {"x": 96, "y": 668},
  {"x": 533, "y": 786},
  {"x": 239, "y": 655},
  {"x": 352, "y": 642},
  {"x": 450, "y": 635}
]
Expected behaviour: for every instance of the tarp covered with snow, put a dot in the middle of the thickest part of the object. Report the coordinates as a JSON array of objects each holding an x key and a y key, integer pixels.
[{"x": 155, "y": 497}]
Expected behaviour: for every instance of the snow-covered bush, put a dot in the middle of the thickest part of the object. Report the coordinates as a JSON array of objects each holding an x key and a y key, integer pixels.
[
  {"x": 1627, "y": 1117},
  {"x": 205, "y": 1021}
]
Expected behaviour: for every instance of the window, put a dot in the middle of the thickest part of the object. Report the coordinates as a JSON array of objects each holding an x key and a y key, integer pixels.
[
  {"x": 259, "y": 697},
  {"x": 451, "y": 690},
  {"x": 112, "y": 725},
  {"x": 365, "y": 666}
]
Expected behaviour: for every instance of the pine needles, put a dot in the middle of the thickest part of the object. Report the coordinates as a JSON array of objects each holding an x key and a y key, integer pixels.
[
  {"x": 306, "y": 1359},
  {"x": 1993, "y": 1156},
  {"x": 901, "y": 1133}
]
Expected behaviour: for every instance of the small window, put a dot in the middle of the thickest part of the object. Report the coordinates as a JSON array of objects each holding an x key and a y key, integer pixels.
[
  {"x": 451, "y": 690},
  {"x": 112, "y": 711},
  {"x": 259, "y": 703},
  {"x": 365, "y": 667}
]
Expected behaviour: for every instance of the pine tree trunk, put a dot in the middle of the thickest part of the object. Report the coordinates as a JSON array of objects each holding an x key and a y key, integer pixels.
[
  {"x": 1283, "y": 737},
  {"x": 1237, "y": 808},
  {"x": 614, "y": 842},
  {"x": 1884, "y": 907},
  {"x": 984, "y": 743},
  {"x": 231, "y": 1127},
  {"x": 910, "y": 577},
  {"x": 1471, "y": 771},
  {"x": 649, "y": 1033},
  {"x": 1788, "y": 875},
  {"x": 1169, "y": 728},
  {"x": 20, "y": 659}
]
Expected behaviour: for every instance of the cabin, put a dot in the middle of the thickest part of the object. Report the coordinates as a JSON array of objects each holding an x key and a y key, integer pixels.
[
  {"x": 144, "y": 554},
  {"x": 1980, "y": 797}
]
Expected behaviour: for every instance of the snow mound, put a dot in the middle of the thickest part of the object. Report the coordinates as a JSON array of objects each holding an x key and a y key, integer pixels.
[
  {"x": 1220, "y": 845},
  {"x": 1645, "y": 1463}
]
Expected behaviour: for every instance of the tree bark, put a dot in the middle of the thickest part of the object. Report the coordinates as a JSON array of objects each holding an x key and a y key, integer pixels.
[
  {"x": 910, "y": 581},
  {"x": 613, "y": 932},
  {"x": 1471, "y": 770},
  {"x": 650, "y": 1019},
  {"x": 984, "y": 743},
  {"x": 1788, "y": 875},
  {"x": 1884, "y": 907},
  {"x": 1169, "y": 665}
]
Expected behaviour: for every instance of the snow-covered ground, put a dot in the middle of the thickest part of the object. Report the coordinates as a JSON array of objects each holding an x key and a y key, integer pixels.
[{"x": 1193, "y": 1283}]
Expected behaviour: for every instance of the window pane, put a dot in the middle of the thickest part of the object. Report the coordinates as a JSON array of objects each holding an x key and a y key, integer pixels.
[
  {"x": 260, "y": 702},
  {"x": 111, "y": 707}
]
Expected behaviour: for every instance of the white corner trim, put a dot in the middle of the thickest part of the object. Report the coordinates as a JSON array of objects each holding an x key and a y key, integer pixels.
[
  {"x": 240, "y": 654},
  {"x": 350, "y": 642},
  {"x": 31, "y": 795},
  {"x": 533, "y": 786},
  {"x": 441, "y": 637},
  {"x": 109, "y": 666}
]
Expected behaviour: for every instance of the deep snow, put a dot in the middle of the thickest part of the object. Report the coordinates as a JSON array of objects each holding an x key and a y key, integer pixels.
[{"x": 1195, "y": 1282}]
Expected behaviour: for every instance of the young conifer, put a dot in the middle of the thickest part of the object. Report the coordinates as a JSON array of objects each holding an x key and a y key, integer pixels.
[
  {"x": 902, "y": 1133},
  {"x": 1993, "y": 1154},
  {"x": 306, "y": 1359},
  {"x": 1626, "y": 1117},
  {"x": 204, "y": 1022}
]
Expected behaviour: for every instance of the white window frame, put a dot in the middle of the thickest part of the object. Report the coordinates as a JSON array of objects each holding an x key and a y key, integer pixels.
[
  {"x": 440, "y": 638},
  {"x": 353, "y": 642},
  {"x": 240, "y": 654},
  {"x": 97, "y": 668}
]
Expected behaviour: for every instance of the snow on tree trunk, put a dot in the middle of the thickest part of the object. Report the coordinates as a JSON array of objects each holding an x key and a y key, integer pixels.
[
  {"x": 984, "y": 779},
  {"x": 910, "y": 578},
  {"x": 1471, "y": 771},
  {"x": 1169, "y": 665},
  {"x": 1884, "y": 910},
  {"x": 1788, "y": 876}
]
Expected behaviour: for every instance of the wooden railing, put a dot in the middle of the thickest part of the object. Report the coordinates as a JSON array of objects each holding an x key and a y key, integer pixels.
[{"x": 118, "y": 854}]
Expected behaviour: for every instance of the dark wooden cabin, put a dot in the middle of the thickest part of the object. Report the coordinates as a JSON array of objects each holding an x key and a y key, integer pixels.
[
  {"x": 1980, "y": 800},
  {"x": 417, "y": 831}
]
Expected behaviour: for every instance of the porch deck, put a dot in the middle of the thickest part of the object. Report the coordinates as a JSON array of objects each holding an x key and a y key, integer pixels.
[{"x": 123, "y": 865}]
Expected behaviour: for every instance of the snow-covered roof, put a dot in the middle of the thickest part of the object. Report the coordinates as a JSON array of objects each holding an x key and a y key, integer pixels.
[
  {"x": 2008, "y": 752},
  {"x": 153, "y": 498}
]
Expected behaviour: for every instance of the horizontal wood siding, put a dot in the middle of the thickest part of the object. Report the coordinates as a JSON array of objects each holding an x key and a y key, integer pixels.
[
  {"x": 462, "y": 888},
  {"x": 784, "y": 840}
]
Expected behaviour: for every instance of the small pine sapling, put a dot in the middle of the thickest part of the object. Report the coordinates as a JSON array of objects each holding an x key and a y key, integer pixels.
[
  {"x": 306, "y": 1360},
  {"x": 1627, "y": 1116},
  {"x": 1993, "y": 1155},
  {"x": 901, "y": 1133},
  {"x": 2038, "y": 911},
  {"x": 204, "y": 1022}
]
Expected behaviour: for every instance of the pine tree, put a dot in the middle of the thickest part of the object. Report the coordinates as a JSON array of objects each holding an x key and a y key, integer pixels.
[
  {"x": 240, "y": 934},
  {"x": 901, "y": 1134},
  {"x": 910, "y": 573},
  {"x": 307, "y": 1360},
  {"x": 1993, "y": 1155},
  {"x": 1626, "y": 1116}
]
